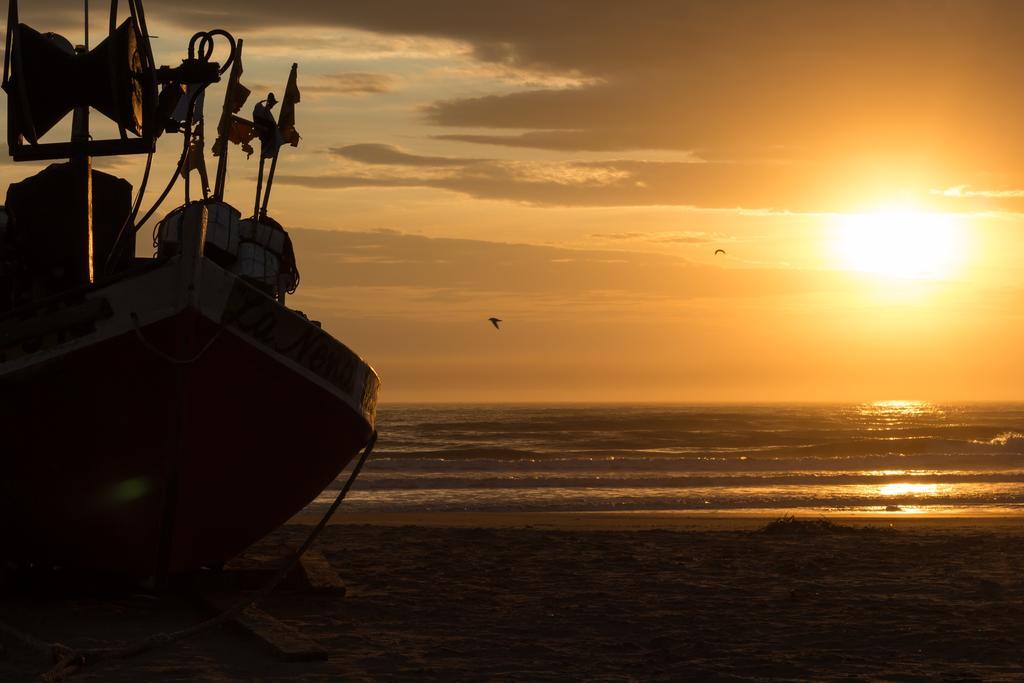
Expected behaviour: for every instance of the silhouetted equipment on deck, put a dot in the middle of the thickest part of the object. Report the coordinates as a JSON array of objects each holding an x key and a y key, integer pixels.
[
  {"x": 46, "y": 78},
  {"x": 260, "y": 252},
  {"x": 45, "y": 234}
]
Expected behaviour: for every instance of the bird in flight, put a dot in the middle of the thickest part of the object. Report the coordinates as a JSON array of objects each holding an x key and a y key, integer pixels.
[
  {"x": 495, "y": 321},
  {"x": 719, "y": 251}
]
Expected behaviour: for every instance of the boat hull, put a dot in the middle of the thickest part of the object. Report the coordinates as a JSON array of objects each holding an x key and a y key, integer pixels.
[{"x": 193, "y": 417}]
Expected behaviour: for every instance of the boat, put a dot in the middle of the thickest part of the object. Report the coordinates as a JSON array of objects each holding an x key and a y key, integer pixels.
[{"x": 157, "y": 415}]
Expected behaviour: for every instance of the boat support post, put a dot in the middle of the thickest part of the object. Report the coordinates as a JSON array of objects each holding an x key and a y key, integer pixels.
[
  {"x": 81, "y": 162},
  {"x": 193, "y": 240}
]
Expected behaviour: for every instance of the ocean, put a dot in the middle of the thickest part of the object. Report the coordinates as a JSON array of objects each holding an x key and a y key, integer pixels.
[{"x": 887, "y": 457}]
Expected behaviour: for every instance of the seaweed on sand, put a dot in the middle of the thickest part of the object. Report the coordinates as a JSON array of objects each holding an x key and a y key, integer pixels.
[{"x": 789, "y": 525}]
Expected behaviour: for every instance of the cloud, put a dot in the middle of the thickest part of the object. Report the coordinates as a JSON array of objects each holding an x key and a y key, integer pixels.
[
  {"x": 373, "y": 153},
  {"x": 777, "y": 186},
  {"x": 561, "y": 140},
  {"x": 352, "y": 83},
  {"x": 690, "y": 237},
  {"x": 620, "y": 235},
  {"x": 966, "y": 191},
  {"x": 686, "y": 237}
]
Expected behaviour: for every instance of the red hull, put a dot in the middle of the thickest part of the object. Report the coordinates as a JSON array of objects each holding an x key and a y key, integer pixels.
[{"x": 116, "y": 458}]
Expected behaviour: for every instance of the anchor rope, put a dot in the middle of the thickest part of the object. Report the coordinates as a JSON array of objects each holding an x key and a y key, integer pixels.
[{"x": 70, "y": 660}]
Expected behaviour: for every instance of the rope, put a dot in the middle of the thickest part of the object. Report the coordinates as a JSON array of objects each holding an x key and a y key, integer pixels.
[
  {"x": 167, "y": 357},
  {"x": 69, "y": 660}
]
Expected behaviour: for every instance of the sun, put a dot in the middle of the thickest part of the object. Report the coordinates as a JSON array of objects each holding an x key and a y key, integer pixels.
[{"x": 901, "y": 243}]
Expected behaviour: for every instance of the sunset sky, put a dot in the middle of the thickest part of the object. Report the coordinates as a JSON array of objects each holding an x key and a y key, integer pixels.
[{"x": 571, "y": 167}]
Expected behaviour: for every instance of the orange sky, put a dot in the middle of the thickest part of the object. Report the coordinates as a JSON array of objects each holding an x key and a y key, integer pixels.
[{"x": 571, "y": 168}]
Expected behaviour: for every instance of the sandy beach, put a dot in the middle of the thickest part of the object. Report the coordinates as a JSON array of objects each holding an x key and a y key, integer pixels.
[{"x": 597, "y": 597}]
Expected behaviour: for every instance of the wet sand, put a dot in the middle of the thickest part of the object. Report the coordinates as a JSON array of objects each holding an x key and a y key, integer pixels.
[{"x": 599, "y": 597}]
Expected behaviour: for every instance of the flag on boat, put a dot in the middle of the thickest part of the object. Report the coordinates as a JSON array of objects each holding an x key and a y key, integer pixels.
[
  {"x": 286, "y": 122},
  {"x": 229, "y": 129},
  {"x": 241, "y": 132}
]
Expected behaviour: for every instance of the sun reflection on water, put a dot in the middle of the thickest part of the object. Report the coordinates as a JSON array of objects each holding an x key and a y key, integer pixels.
[
  {"x": 908, "y": 489},
  {"x": 897, "y": 408},
  {"x": 887, "y": 414}
]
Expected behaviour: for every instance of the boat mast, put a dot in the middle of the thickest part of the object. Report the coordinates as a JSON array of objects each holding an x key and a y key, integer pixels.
[
  {"x": 81, "y": 162},
  {"x": 270, "y": 182},
  {"x": 259, "y": 187}
]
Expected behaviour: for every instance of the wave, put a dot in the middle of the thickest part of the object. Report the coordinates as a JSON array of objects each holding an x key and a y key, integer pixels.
[
  {"x": 586, "y": 500},
  {"x": 858, "y": 444},
  {"x": 669, "y": 457},
  {"x": 461, "y": 480},
  {"x": 1005, "y": 439},
  {"x": 624, "y": 462}
]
